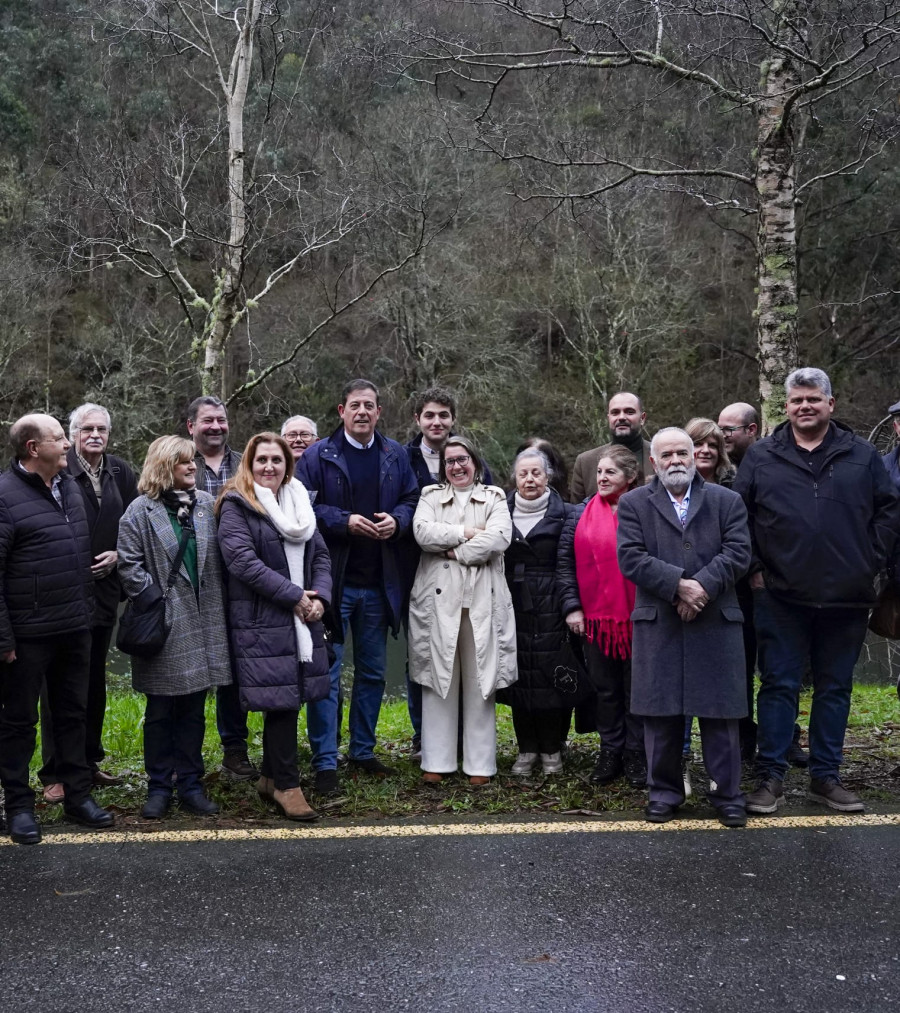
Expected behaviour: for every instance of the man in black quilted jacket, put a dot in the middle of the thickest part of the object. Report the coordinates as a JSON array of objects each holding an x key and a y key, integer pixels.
[{"x": 46, "y": 602}]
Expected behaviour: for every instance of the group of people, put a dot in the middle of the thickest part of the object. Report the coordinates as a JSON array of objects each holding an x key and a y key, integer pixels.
[{"x": 643, "y": 596}]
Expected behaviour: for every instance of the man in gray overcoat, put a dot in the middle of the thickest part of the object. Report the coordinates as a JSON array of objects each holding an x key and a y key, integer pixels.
[{"x": 684, "y": 543}]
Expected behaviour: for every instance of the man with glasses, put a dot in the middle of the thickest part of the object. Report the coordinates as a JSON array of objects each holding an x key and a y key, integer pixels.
[
  {"x": 207, "y": 425},
  {"x": 46, "y": 612},
  {"x": 300, "y": 433},
  {"x": 823, "y": 517},
  {"x": 740, "y": 424},
  {"x": 107, "y": 485},
  {"x": 365, "y": 497}
]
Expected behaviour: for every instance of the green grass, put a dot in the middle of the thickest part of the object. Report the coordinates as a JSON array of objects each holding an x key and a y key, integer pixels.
[{"x": 872, "y": 755}]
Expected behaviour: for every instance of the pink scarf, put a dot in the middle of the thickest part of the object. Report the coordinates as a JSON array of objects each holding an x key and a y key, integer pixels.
[{"x": 607, "y": 598}]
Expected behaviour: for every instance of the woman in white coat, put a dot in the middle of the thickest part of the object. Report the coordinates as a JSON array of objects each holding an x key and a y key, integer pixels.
[{"x": 462, "y": 633}]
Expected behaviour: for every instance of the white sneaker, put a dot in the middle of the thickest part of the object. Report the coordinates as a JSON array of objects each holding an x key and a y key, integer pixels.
[
  {"x": 551, "y": 763},
  {"x": 524, "y": 763},
  {"x": 686, "y": 774}
]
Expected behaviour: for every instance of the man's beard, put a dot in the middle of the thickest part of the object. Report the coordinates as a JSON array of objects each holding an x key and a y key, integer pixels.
[{"x": 678, "y": 477}]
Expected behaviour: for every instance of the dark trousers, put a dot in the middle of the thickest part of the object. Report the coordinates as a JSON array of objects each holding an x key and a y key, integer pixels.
[
  {"x": 748, "y": 725},
  {"x": 231, "y": 719},
  {"x": 540, "y": 731},
  {"x": 720, "y": 738},
  {"x": 174, "y": 727},
  {"x": 96, "y": 710},
  {"x": 279, "y": 759},
  {"x": 611, "y": 677},
  {"x": 62, "y": 663}
]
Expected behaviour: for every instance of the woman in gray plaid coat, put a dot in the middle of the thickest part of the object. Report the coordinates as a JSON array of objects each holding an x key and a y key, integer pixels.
[{"x": 195, "y": 656}]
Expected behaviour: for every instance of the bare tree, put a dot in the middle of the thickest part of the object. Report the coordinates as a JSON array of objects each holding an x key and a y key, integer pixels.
[{"x": 769, "y": 72}]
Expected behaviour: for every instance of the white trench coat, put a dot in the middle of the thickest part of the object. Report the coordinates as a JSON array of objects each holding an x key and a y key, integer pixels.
[{"x": 443, "y": 585}]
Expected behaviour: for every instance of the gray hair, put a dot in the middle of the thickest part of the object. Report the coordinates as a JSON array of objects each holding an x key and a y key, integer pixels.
[
  {"x": 301, "y": 420},
  {"x": 808, "y": 376},
  {"x": 668, "y": 431},
  {"x": 540, "y": 455},
  {"x": 78, "y": 416}
]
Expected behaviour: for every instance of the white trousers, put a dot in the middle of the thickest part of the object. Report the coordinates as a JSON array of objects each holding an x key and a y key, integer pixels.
[{"x": 440, "y": 718}]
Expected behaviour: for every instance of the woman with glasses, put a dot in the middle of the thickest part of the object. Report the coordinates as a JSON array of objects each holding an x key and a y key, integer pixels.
[
  {"x": 462, "y": 633},
  {"x": 300, "y": 433}
]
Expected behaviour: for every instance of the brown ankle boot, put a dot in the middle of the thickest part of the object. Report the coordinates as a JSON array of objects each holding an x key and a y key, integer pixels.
[
  {"x": 293, "y": 804},
  {"x": 265, "y": 788}
]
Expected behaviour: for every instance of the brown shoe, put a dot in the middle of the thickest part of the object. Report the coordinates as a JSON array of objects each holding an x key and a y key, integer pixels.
[
  {"x": 429, "y": 777},
  {"x": 54, "y": 793},
  {"x": 104, "y": 780},
  {"x": 265, "y": 788},
  {"x": 293, "y": 805},
  {"x": 479, "y": 781}
]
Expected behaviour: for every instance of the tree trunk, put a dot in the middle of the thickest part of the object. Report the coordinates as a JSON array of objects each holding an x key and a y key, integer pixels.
[{"x": 777, "y": 304}]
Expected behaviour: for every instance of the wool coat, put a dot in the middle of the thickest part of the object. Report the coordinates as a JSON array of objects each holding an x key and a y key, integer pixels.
[
  {"x": 541, "y": 631},
  {"x": 584, "y": 471},
  {"x": 195, "y": 655},
  {"x": 682, "y": 667},
  {"x": 261, "y": 600},
  {"x": 119, "y": 488},
  {"x": 442, "y": 585}
]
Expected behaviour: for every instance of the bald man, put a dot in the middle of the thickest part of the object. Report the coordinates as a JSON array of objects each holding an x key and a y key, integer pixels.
[
  {"x": 740, "y": 424},
  {"x": 46, "y": 607}
]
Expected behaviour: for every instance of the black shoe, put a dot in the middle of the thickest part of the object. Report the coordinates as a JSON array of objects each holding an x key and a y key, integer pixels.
[
  {"x": 660, "y": 812},
  {"x": 89, "y": 814},
  {"x": 238, "y": 766},
  {"x": 635, "y": 763},
  {"x": 732, "y": 815},
  {"x": 797, "y": 756},
  {"x": 372, "y": 765},
  {"x": 197, "y": 803},
  {"x": 326, "y": 783},
  {"x": 156, "y": 806},
  {"x": 24, "y": 828},
  {"x": 607, "y": 768}
]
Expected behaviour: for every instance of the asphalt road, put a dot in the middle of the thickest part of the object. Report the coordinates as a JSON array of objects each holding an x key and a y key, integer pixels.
[{"x": 794, "y": 919}]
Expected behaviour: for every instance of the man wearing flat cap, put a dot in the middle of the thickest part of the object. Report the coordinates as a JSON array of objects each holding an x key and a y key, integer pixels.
[{"x": 892, "y": 458}]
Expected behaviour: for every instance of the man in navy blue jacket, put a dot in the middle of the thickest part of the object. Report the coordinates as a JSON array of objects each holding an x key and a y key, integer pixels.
[
  {"x": 823, "y": 519},
  {"x": 46, "y": 605},
  {"x": 365, "y": 497}
]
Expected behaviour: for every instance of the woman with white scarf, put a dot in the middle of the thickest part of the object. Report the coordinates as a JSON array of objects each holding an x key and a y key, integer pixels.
[{"x": 279, "y": 586}]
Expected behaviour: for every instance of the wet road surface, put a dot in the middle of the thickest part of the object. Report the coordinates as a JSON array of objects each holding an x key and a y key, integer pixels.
[{"x": 549, "y": 918}]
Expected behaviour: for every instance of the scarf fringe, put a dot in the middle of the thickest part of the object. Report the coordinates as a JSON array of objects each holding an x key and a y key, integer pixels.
[{"x": 611, "y": 636}]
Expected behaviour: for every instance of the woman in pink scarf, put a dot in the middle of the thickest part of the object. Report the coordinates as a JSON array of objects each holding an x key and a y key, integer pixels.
[{"x": 597, "y": 603}]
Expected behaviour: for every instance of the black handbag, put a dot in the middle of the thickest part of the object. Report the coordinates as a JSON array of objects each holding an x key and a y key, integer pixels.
[
  {"x": 142, "y": 626},
  {"x": 885, "y": 617},
  {"x": 570, "y": 678}
]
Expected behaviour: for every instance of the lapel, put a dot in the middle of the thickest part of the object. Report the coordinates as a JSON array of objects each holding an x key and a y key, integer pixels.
[
  {"x": 162, "y": 527},
  {"x": 202, "y": 528},
  {"x": 660, "y": 499},
  {"x": 698, "y": 494}
]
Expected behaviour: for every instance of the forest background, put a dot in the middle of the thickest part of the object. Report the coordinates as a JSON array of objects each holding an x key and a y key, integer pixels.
[{"x": 536, "y": 204}]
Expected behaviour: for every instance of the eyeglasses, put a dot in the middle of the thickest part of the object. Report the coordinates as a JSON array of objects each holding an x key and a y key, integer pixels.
[
  {"x": 454, "y": 462},
  {"x": 303, "y": 437},
  {"x": 99, "y": 430},
  {"x": 729, "y": 430}
]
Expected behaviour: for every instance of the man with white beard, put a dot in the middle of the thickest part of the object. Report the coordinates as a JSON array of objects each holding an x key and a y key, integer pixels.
[{"x": 684, "y": 543}]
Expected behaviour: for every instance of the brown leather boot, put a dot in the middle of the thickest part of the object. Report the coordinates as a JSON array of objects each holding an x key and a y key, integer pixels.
[
  {"x": 293, "y": 805},
  {"x": 265, "y": 788}
]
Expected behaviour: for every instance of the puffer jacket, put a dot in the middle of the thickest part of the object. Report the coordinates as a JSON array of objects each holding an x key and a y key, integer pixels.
[
  {"x": 261, "y": 599},
  {"x": 45, "y": 559}
]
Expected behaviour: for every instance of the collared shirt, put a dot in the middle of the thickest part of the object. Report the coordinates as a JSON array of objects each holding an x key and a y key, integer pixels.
[
  {"x": 355, "y": 443},
  {"x": 432, "y": 459},
  {"x": 93, "y": 474},
  {"x": 214, "y": 480},
  {"x": 815, "y": 458},
  {"x": 681, "y": 509},
  {"x": 54, "y": 485}
]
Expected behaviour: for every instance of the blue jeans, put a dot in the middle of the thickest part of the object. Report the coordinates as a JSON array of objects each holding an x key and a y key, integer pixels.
[
  {"x": 413, "y": 694},
  {"x": 364, "y": 612},
  {"x": 793, "y": 638}
]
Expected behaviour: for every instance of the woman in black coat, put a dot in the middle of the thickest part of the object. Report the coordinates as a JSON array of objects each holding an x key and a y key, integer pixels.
[
  {"x": 540, "y": 708},
  {"x": 279, "y": 585}
]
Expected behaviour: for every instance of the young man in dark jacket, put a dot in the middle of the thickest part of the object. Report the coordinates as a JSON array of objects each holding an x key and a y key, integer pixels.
[
  {"x": 823, "y": 517},
  {"x": 46, "y": 604},
  {"x": 365, "y": 497}
]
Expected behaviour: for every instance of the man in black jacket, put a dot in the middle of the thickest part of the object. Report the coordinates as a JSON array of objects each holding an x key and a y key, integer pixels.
[
  {"x": 823, "y": 518},
  {"x": 46, "y": 603},
  {"x": 107, "y": 485}
]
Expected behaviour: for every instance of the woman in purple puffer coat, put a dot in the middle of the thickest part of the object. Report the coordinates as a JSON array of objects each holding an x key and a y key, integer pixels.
[{"x": 279, "y": 586}]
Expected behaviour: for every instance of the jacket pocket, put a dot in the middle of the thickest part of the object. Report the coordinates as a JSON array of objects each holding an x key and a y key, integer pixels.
[
  {"x": 732, "y": 613},
  {"x": 643, "y": 613}
]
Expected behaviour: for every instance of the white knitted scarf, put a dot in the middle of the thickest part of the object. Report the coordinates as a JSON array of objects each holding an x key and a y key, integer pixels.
[{"x": 292, "y": 514}]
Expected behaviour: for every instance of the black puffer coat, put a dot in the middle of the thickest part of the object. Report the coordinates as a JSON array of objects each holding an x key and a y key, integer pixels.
[{"x": 540, "y": 627}]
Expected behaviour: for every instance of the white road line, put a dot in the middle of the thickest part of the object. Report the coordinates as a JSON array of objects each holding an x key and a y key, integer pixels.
[{"x": 598, "y": 826}]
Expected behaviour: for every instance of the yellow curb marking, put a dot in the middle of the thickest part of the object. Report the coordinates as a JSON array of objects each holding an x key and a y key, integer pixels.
[{"x": 599, "y": 826}]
